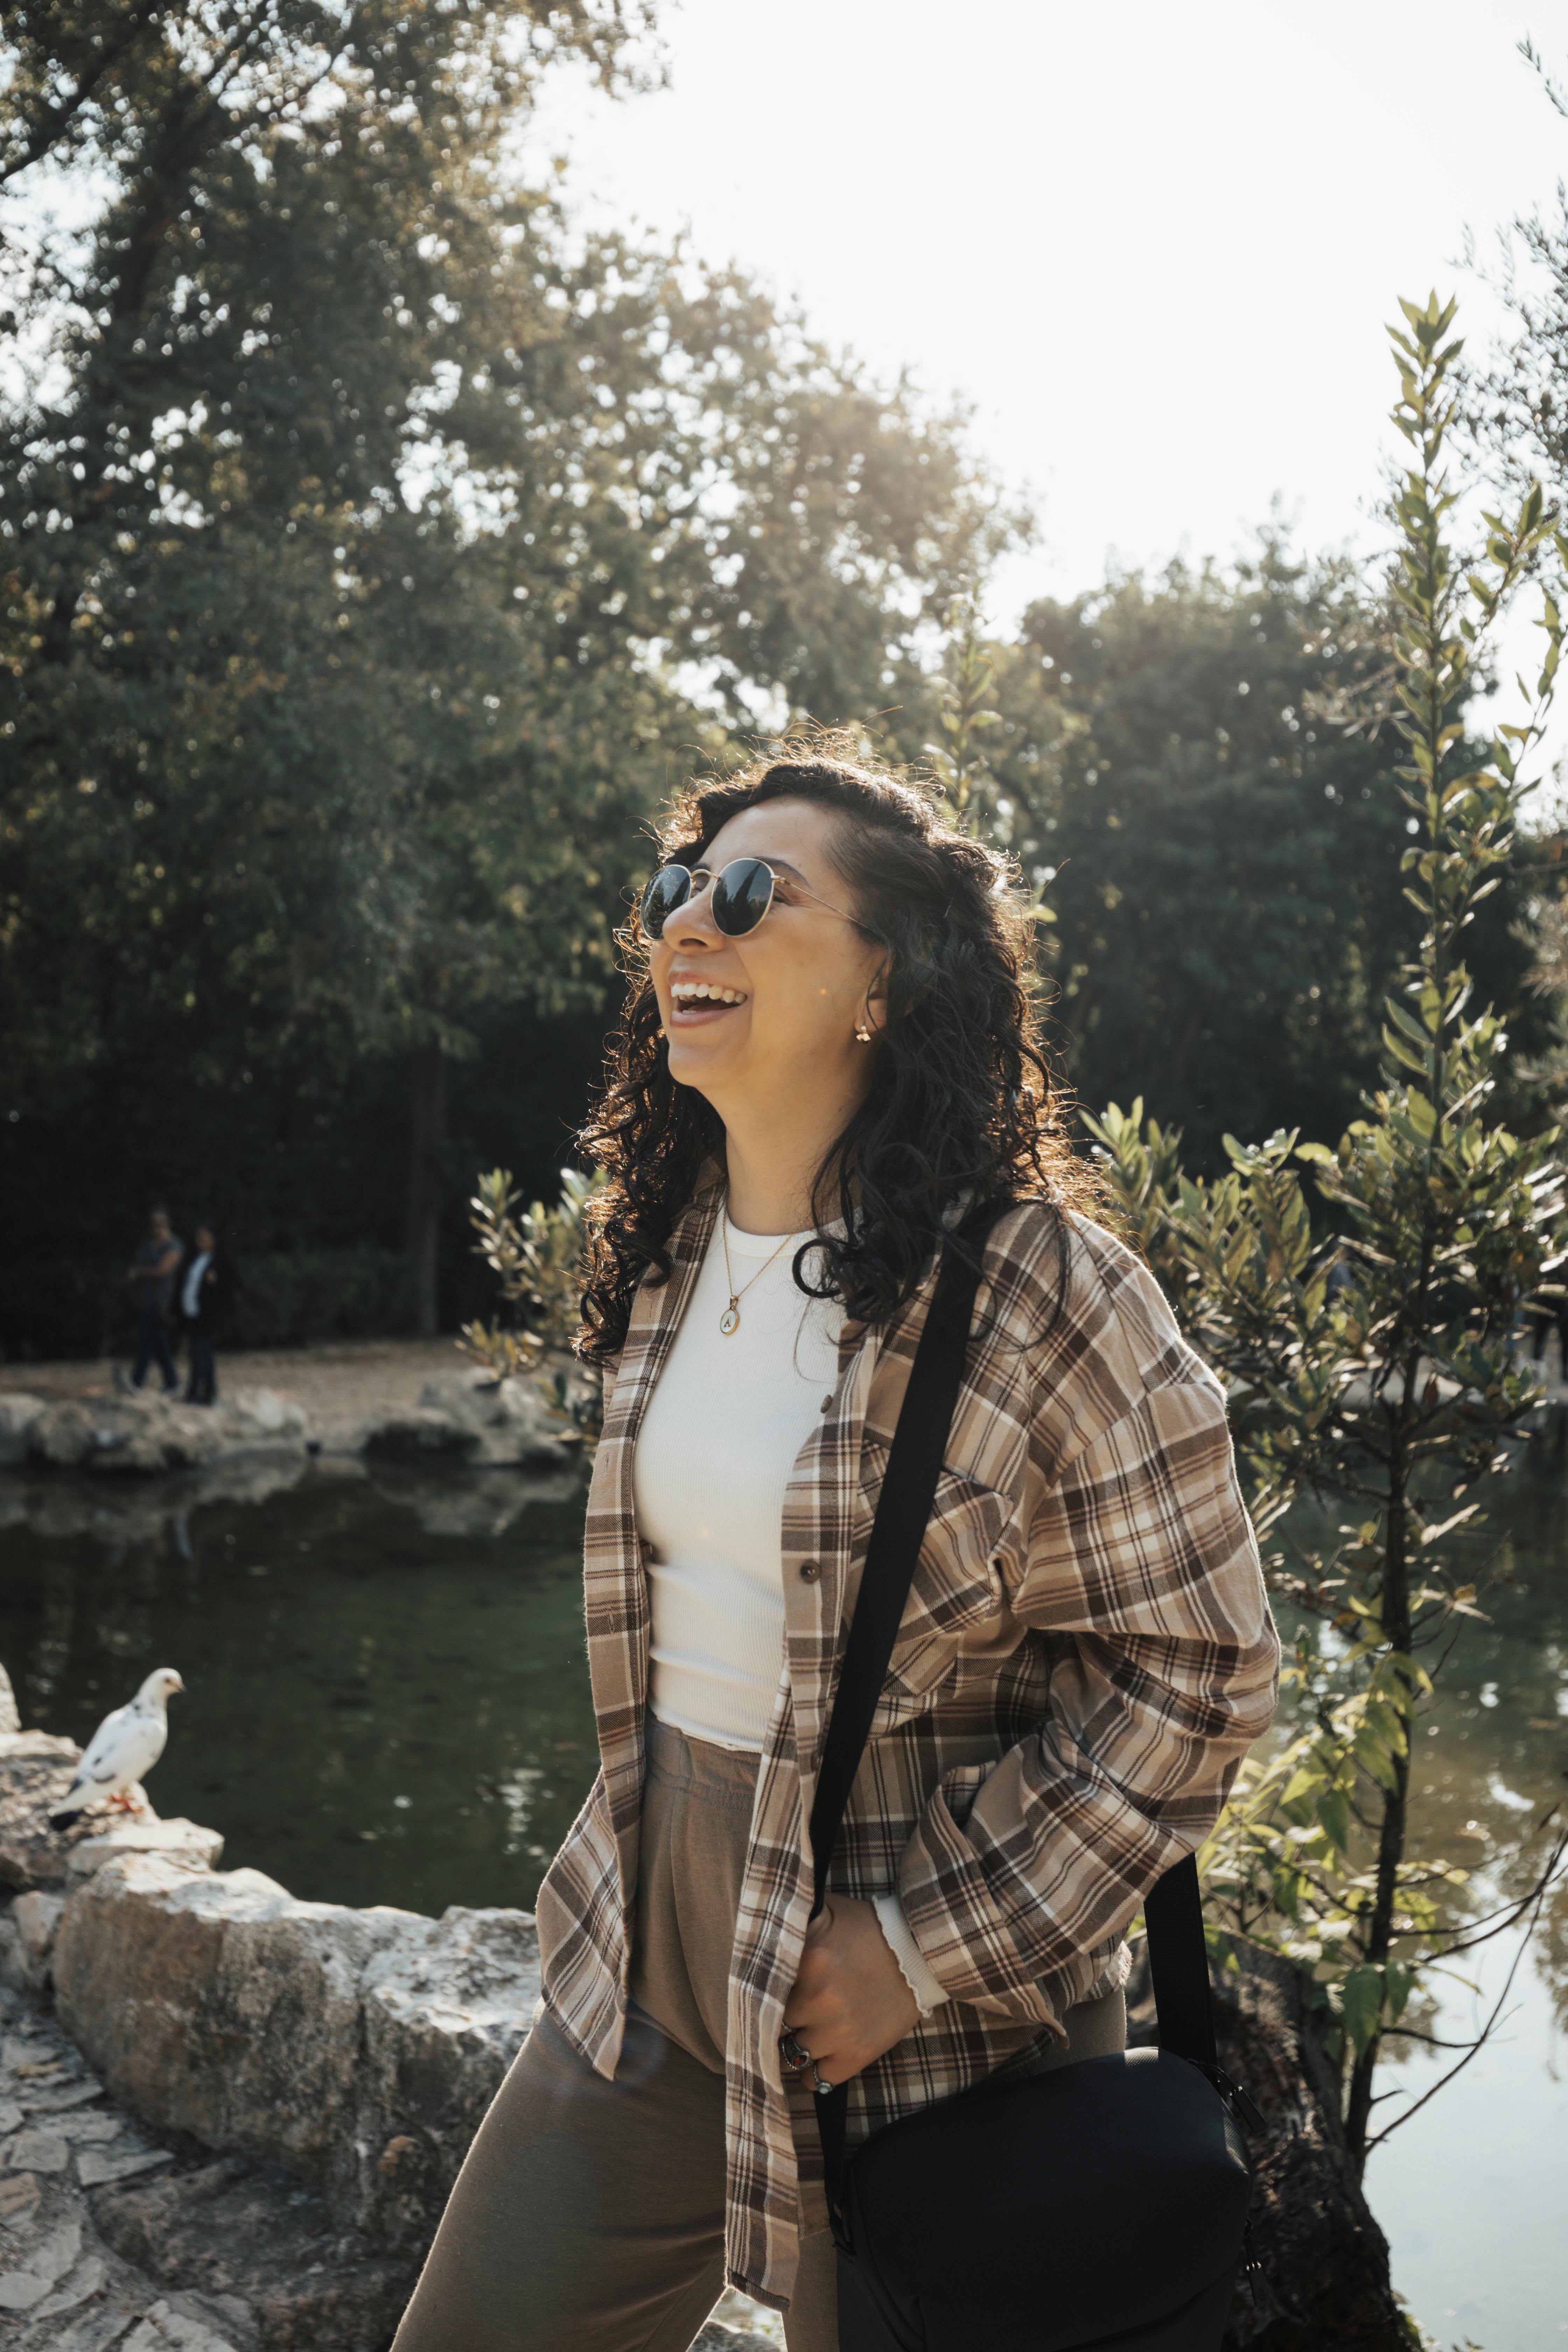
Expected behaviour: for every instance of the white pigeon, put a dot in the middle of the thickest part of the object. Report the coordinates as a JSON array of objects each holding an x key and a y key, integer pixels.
[{"x": 126, "y": 1746}]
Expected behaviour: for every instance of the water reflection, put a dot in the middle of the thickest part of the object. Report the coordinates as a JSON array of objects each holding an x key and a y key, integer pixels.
[
  {"x": 1467, "y": 2188},
  {"x": 1490, "y": 1777},
  {"x": 1488, "y": 1784}
]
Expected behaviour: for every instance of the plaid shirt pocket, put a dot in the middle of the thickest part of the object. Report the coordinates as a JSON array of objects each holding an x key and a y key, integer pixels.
[{"x": 956, "y": 1595}]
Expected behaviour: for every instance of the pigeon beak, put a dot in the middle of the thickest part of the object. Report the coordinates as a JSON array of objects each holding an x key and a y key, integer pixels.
[{"x": 175, "y": 1684}]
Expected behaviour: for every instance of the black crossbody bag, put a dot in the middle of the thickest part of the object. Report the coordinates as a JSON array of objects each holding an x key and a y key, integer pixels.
[{"x": 1102, "y": 2205}]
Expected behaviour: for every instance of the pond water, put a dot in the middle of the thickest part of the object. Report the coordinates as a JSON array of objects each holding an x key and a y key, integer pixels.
[
  {"x": 387, "y": 1695},
  {"x": 386, "y": 1702}
]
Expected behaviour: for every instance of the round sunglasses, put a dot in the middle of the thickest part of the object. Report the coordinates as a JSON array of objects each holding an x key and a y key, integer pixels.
[{"x": 743, "y": 893}]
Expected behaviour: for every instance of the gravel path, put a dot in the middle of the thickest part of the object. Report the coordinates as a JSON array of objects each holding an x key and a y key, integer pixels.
[
  {"x": 351, "y": 1376},
  {"x": 63, "y": 2288}
]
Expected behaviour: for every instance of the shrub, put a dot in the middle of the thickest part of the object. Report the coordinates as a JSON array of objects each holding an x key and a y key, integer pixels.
[{"x": 290, "y": 1299}]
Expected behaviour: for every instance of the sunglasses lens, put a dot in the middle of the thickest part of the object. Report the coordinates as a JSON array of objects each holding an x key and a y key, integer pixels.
[
  {"x": 670, "y": 888},
  {"x": 742, "y": 897}
]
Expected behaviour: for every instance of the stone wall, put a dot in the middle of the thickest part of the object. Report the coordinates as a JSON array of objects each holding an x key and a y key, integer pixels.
[{"x": 360, "y": 2049}]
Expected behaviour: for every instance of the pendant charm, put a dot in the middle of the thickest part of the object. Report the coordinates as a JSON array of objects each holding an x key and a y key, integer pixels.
[{"x": 731, "y": 1319}]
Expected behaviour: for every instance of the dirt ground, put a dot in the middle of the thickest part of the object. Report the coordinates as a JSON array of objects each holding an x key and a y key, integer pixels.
[{"x": 344, "y": 1377}]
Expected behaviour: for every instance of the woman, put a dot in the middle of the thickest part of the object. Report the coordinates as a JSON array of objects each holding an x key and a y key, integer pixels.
[{"x": 829, "y": 1052}]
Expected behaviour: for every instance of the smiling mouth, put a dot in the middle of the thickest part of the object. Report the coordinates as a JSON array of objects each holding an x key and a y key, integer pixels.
[{"x": 702, "y": 1000}]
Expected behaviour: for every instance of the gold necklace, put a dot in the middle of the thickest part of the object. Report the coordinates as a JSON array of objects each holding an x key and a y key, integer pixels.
[{"x": 730, "y": 1321}]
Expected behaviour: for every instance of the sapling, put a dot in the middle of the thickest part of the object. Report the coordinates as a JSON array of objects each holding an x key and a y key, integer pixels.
[{"x": 1378, "y": 1372}]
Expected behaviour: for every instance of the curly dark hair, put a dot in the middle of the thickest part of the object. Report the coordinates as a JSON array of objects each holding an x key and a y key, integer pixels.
[{"x": 962, "y": 1106}]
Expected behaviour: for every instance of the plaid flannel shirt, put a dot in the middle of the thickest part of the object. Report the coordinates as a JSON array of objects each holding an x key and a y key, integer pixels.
[{"x": 1084, "y": 1656}]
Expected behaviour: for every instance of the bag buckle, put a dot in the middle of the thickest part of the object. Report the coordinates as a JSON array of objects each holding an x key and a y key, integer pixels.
[
  {"x": 1242, "y": 2106},
  {"x": 839, "y": 2224}
]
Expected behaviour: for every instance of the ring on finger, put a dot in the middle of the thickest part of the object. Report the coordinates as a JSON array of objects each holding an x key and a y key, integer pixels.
[
  {"x": 794, "y": 2054},
  {"x": 819, "y": 2083}
]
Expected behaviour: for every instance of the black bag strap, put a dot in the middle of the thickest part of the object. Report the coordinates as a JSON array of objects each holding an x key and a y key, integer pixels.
[
  {"x": 903, "y": 1507},
  {"x": 1179, "y": 1964},
  {"x": 1173, "y": 1910}
]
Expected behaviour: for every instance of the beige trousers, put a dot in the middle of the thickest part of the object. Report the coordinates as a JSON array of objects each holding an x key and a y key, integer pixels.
[{"x": 589, "y": 2216}]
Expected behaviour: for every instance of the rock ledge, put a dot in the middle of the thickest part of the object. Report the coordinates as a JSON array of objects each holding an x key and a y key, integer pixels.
[{"x": 463, "y": 1416}]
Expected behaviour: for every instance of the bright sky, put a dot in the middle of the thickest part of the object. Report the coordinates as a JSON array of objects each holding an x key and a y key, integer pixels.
[{"x": 1155, "y": 247}]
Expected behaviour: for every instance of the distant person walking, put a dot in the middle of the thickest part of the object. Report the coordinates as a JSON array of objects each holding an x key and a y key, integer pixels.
[
  {"x": 151, "y": 1278},
  {"x": 205, "y": 1290}
]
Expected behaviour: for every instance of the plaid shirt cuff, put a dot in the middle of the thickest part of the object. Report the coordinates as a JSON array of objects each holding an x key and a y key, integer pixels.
[{"x": 929, "y": 1990}]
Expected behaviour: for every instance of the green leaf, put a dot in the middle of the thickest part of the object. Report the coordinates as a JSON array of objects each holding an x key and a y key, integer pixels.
[
  {"x": 1420, "y": 1033},
  {"x": 1334, "y": 1812},
  {"x": 1360, "y": 2006}
]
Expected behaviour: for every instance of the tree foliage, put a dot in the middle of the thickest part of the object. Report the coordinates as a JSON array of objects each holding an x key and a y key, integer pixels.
[
  {"x": 1219, "y": 857},
  {"x": 371, "y": 541}
]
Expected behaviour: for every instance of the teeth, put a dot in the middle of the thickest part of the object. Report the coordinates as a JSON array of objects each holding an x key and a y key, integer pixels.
[{"x": 690, "y": 992}]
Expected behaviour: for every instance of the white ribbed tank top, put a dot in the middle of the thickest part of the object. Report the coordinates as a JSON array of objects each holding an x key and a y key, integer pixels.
[{"x": 714, "y": 1454}]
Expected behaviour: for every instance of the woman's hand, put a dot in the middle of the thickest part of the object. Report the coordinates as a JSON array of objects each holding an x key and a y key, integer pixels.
[{"x": 850, "y": 2002}]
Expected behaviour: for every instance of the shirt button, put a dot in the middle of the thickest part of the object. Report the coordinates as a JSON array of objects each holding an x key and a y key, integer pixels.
[{"x": 810, "y": 1571}]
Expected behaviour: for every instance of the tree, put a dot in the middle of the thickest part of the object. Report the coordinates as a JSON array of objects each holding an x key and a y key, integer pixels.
[
  {"x": 216, "y": 553},
  {"x": 1379, "y": 1374},
  {"x": 369, "y": 545},
  {"x": 1220, "y": 858}
]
